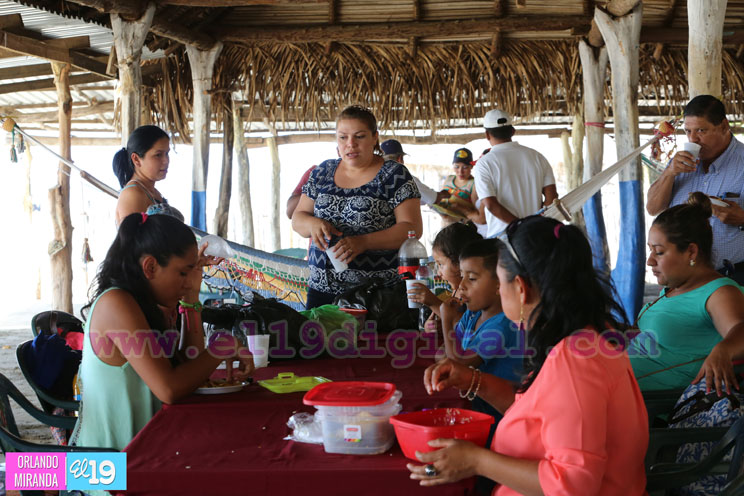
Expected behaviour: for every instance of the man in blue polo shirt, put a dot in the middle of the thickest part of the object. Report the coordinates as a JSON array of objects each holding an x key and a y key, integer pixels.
[{"x": 719, "y": 171}]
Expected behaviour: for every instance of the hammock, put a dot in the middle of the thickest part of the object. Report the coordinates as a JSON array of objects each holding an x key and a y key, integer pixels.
[
  {"x": 562, "y": 209},
  {"x": 268, "y": 274}
]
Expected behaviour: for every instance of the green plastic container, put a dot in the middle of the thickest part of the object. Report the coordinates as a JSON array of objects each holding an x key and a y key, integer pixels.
[{"x": 287, "y": 382}]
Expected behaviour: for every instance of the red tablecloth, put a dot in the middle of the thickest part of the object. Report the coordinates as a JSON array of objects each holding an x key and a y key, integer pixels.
[{"x": 233, "y": 443}]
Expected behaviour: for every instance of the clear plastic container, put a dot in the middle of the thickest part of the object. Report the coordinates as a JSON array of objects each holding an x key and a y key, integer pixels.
[{"x": 359, "y": 430}]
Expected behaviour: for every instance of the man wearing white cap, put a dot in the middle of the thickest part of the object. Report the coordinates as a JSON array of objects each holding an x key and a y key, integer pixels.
[{"x": 512, "y": 180}]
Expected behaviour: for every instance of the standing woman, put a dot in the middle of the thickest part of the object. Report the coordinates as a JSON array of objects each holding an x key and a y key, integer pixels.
[
  {"x": 577, "y": 423},
  {"x": 138, "y": 167},
  {"x": 360, "y": 205}
]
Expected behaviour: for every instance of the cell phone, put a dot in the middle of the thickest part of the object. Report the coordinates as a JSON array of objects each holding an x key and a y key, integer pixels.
[{"x": 730, "y": 194}]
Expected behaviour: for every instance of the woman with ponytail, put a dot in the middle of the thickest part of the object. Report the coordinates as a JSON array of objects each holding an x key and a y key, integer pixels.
[
  {"x": 698, "y": 319},
  {"x": 132, "y": 361},
  {"x": 138, "y": 167},
  {"x": 577, "y": 423}
]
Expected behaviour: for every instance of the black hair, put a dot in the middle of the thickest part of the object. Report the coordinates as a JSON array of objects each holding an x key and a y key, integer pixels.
[
  {"x": 501, "y": 133},
  {"x": 689, "y": 223},
  {"x": 487, "y": 249},
  {"x": 556, "y": 260},
  {"x": 140, "y": 142},
  {"x": 451, "y": 240},
  {"x": 707, "y": 106},
  {"x": 161, "y": 236},
  {"x": 365, "y": 115}
]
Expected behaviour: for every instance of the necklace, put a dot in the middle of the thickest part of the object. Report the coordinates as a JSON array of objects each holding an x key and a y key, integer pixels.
[{"x": 666, "y": 293}]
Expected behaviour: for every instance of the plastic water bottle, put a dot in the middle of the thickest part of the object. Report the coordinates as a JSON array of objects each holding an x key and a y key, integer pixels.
[
  {"x": 424, "y": 276},
  {"x": 409, "y": 256}
]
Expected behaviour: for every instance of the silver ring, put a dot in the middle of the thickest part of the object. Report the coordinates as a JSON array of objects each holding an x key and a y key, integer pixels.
[{"x": 431, "y": 471}]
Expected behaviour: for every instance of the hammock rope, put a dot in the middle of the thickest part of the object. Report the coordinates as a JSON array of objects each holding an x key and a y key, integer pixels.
[
  {"x": 563, "y": 208},
  {"x": 9, "y": 125}
]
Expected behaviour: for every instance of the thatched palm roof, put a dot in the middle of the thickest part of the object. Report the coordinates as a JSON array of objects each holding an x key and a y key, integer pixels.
[{"x": 417, "y": 63}]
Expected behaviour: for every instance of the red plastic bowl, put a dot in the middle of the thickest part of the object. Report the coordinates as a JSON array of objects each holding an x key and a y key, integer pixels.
[{"x": 414, "y": 430}]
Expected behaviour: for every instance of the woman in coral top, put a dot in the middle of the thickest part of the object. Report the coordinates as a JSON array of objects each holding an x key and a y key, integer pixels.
[{"x": 577, "y": 423}]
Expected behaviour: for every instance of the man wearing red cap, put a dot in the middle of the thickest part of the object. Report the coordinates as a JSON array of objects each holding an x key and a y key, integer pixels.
[{"x": 513, "y": 181}]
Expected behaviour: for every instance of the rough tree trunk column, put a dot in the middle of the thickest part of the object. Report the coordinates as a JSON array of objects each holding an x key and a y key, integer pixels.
[
  {"x": 622, "y": 38},
  {"x": 60, "y": 249},
  {"x": 573, "y": 158},
  {"x": 594, "y": 69},
  {"x": 202, "y": 64},
  {"x": 223, "y": 206},
  {"x": 129, "y": 36},
  {"x": 244, "y": 176},
  {"x": 276, "y": 234},
  {"x": 705, "y": 20}
]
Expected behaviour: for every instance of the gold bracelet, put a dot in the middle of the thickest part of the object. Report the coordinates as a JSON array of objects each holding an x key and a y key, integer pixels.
[
  {"x": 472, "y": 381},
  {"x": 475, "y": 393}
]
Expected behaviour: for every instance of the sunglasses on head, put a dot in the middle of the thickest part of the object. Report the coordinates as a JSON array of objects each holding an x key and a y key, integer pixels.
[{"x": 505, "y": 235}]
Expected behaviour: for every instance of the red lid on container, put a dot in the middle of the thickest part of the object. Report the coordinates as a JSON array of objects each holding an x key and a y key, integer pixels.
[{"x": 351, "y": 393}]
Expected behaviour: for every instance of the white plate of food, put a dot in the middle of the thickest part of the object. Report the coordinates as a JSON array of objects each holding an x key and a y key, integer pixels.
[
  {"x": 220, "y": 386},
  {"x": 714, "y": 200}
]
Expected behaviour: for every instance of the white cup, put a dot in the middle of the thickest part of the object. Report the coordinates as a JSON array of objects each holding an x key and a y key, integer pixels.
[
  {"x": 410, "y": 285},
  {"x": 338, "y": 265},
  {"x": 259, "y": 346},
  {"x": 692, "y": 148}
]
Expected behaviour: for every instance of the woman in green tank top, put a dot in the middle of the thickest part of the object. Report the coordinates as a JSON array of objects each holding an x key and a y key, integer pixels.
[
  {"x": 696, "y": 326},
  {"x": 130, "y": 362}
]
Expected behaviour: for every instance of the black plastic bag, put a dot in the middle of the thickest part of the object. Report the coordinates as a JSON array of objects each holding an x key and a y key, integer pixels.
[
  {"x": 261, "y": 316},
  {"x": 385, "y": 301}
]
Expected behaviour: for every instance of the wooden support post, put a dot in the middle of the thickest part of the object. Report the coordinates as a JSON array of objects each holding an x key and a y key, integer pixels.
[
  {"x": 594, "y": 70},
  {"x": 705, "y": 21},
  {"x": 202, "y": 64},
  {"x": 223, "y": 204},
  {"x": 60, "y": 249},
  {"x": 496, "y": 43},
  {"x": 276, "y": 234},
  {"x": 332, "y": 11},
  {"x": 129, "y": 37},
  {"x": 622, "y": 38},
  {"x": 244, "y": 177}
]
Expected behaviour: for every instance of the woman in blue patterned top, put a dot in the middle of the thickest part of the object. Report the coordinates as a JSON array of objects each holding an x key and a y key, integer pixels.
[{"x": 360, "y": 206}]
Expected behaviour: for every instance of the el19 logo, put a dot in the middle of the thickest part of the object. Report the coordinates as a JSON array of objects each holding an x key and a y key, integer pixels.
[{"x": 88, "y": 470}]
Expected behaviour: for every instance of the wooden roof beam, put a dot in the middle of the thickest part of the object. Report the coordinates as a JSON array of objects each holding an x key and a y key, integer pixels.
[
  {"x": 400, "y": 30},
  {"x": 53, "y": 50},
  {"x": 681, "y": 35},
  {"x": 134, "y": 9},
  {"x": 96, "y": 109},
  {"x": 235, "y": 3},
  {"x": 25, "y": 71},
  {"x": 48, "y": 83}
]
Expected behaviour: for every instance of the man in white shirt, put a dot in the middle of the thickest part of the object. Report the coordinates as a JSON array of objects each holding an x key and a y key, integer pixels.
[{"x": 512, "y": 180}]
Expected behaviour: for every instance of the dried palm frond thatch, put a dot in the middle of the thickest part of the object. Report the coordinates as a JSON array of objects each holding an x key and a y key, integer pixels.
[{"x": 441, "y": 85}]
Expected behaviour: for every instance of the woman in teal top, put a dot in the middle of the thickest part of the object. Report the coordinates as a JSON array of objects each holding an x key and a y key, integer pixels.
[
  {"x": 130, "y": 362},
  {"x": 696, "y": 326}
]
